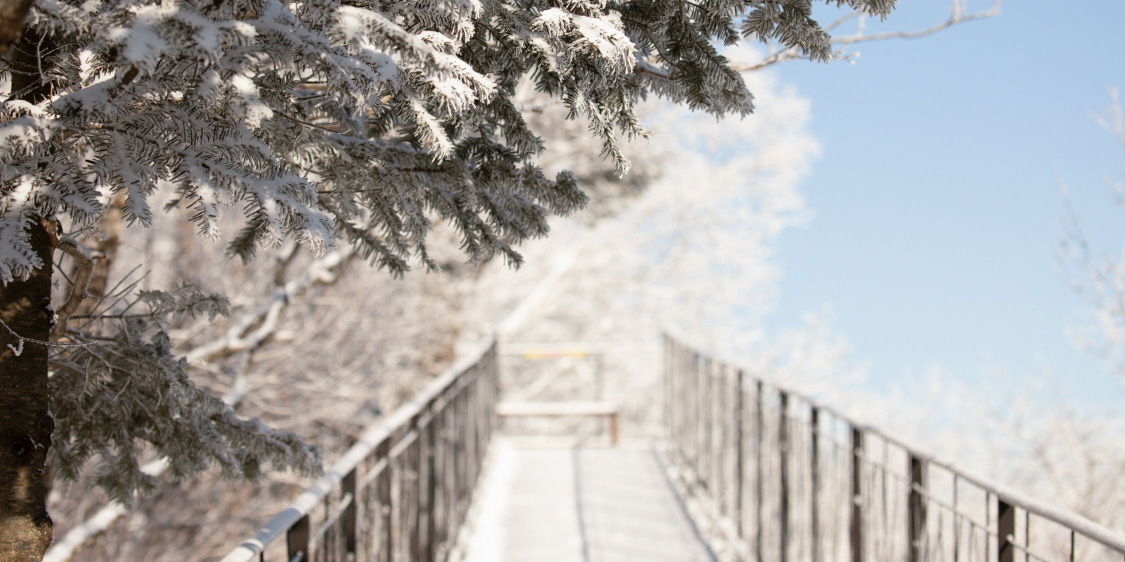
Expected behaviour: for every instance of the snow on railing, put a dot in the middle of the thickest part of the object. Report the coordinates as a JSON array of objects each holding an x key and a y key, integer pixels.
[
  {"x": 789, "y": 479},
  {"x": 401, "y": 492}
]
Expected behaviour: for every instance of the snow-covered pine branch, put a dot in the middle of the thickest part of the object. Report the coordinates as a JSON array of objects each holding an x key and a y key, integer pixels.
[{"x": 319, "y": 113}]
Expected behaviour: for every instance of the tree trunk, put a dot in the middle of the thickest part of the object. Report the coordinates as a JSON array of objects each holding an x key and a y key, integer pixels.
[
  {"x": 12, "y": 15},
  {"x": 25, "y": 420},
  {"x": 25, "y": 307}
]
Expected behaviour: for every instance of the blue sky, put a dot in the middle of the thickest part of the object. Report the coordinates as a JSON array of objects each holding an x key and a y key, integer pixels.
[{"x": 936, "y": 206}]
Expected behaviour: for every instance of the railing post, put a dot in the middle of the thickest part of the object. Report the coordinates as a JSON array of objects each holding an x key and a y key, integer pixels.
[
  {"x": 678, "y": 406},
  {"x": 707, "y": 416},
  {"x": 916, "y": 522},
  {"x": 413, "y": 504},
  {"x": 297, "y": 540},
  {"x": 697, "y": 416},
  {"x": 759, "y": 484},
  {"x": 739, "y": 473},
  {"x": 462, "y": 488},
  {"x": 856, "y": 525},
  {"x": 348, "y": 488},
  {"x": 430, "y": 491},
  {"x": 723, "y": 408},
  {"x": 783, "y": 449},
  {"x": 693, "y": 412},
  {"x": 673, "y": 370},
  {"x": 493, "y": 392},
  {"x": 814, "y": 472},
  {"x": 384, "y": 493},
  {"x": 1005, "y": 531},
  {"x": 956, "y": 507},
  {"x": 684, "y": 395},
  {"x": 666, "y": 367}
]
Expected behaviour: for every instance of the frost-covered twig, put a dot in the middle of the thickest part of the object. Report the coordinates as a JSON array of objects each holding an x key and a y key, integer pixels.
[{"x": 957, "y": 16}]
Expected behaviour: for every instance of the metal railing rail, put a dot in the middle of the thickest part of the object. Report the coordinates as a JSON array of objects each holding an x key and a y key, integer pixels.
[
  {"x": 402, "y": 491},
  {"x": 795, "y": 480}
]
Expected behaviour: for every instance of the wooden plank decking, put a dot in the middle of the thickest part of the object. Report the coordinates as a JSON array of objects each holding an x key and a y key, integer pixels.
[{"x": 580, "y": 505}]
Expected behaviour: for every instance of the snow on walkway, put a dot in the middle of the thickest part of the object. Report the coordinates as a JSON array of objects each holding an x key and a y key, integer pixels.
[{"x": 580, "y": 505}]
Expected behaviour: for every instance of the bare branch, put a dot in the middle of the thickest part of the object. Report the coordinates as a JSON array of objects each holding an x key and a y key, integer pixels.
[
  {"x": 780, "y": 56},
  {"x": 1111, "y": 119},
  {"x": 84, "y": 267},
  {"x": 254, "y": 328},
  {"x": 957, "y": 16}
]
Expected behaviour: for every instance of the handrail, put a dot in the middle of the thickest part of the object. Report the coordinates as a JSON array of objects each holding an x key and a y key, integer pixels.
[
  {"x": 1053, "y": 513},
  {"x": 708, "y": 410},
  {"x": 460, "y": 402},
  {"x": 1011, "y": 495}
]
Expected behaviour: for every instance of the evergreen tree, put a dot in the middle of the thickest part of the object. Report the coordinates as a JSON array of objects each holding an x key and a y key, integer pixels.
[{"x": 333, "y": 123}]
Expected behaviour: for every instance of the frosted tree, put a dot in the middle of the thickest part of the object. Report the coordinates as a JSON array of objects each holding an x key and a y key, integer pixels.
[
  {"x": 324, "y": 122},
  {"x": 1090, "y": 487},
  {"x": 1099, "y": 278}
]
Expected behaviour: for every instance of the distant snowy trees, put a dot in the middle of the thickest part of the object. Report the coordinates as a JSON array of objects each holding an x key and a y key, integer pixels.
[
  {"x": 693, "y": 250},
  {"x": 1097, "y": 277},
  {"x": 356, "y": 124},
  {"x": 1079, "y": 449}
]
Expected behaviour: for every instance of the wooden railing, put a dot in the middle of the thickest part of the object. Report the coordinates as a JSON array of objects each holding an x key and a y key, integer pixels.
[
  {"x": 789, "y": 479},
  {"x": 402, "y": 492}
]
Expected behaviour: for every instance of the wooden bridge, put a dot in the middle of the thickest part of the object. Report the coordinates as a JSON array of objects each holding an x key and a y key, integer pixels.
[{"x": 746, "y": 471}]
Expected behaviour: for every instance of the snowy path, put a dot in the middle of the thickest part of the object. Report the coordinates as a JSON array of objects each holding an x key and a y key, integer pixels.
[{"x": 580, "y": 505}]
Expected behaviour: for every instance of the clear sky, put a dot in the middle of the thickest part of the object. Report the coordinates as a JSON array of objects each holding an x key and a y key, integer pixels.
[{"x": 937, "y": 213}]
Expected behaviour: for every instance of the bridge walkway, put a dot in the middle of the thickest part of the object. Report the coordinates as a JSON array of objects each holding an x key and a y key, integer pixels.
[
  {"x": 561, "y": 504},
  {"x": 785, "y": 477}
]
